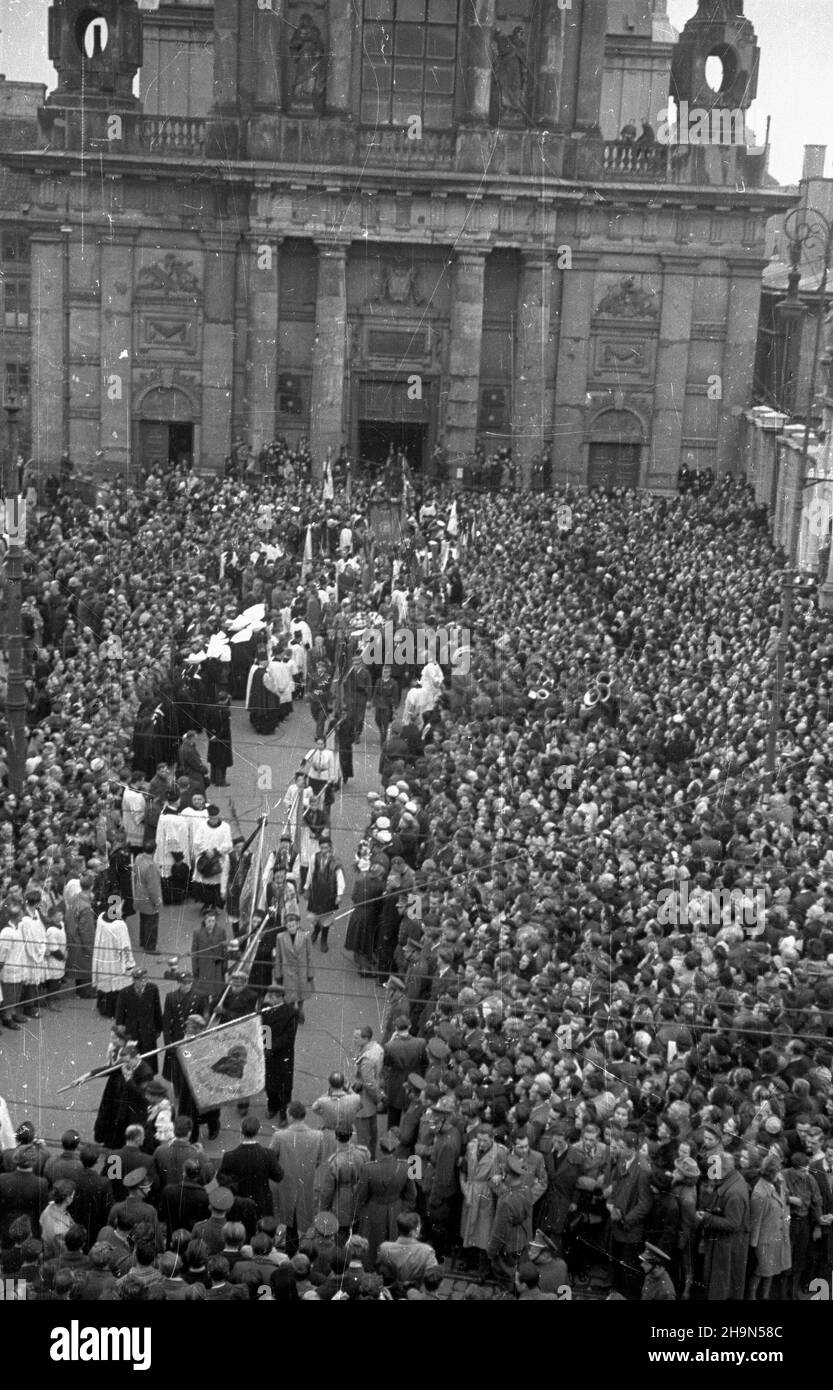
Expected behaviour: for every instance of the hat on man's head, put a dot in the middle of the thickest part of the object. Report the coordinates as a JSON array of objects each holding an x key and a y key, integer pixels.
[
  {"x": 437, "y": 1050},
  {"x": 139, "y": 973},
  {"x": 514, "y": 1165},
  {"x": 417, "y": 1081},
  {"x": 221, "y": 1199},
  {"x": 135, "y": 1178},
  {"x": 326, "y": 1224},
  {"x": 654, "y": 1254}
]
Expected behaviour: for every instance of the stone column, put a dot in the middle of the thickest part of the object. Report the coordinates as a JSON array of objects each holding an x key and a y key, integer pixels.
[
  {"x": 480, "y": 21},
  {"x": 116, "y": 351},
  {"x": 234, "y": 55},
  {"x": 678, "y": 285},
  {"x": 49, "y": 304},
  {"x": 329, "y": 354},
  {"x": 466, "y": 329},
  {"x": 591, "y": 65},
  {"x": 571, "y": 40},
  {"x": 738, "y": 356},
  {"x": 529, "y": 400},
  {"x": 340, "y": 56},
  {"x": 549, "y": 48},
  {"x": 263, "y": 251},
  {"x": 269, "y": 55},
  {"x": 574, "y": 320},
  {"x": 218, "y": 349}
]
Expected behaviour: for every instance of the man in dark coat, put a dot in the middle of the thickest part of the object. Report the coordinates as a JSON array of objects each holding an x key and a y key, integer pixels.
[
  {"x": 512, "y": 1225},
  {"x": 123, "y": 1102},
  {"x": 93, "y": 1195},
  {"x": 170, "y": 1157},
  {"x": 726, "y": 1228},
  {"x": 139, "y": 1011},
  {"x": 629, "y": 1202},
  {"x": 218, "y": 725},
  {"x": 282, "y": 1021},
  {"x": 179, "y": 1005},
  {"x": 563, "y": 1173},
  {"x": 404, "y": 1056},
  {"x": 22, "y": 1193},
  {"x": 184, "y": 1201},
  {"x": 253, "y": 1167}
]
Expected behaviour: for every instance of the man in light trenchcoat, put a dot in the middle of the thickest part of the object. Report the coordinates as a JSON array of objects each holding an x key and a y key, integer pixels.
[
  {"x": 299, "y": 1150},
  {"x": 293, "y": 965}
]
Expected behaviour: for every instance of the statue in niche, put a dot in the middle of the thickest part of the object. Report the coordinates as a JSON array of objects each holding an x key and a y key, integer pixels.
[
  {"x": 627, "y": 301},
  {"x": 309, "y": 58},
  {"x": 511, "y": 72}
]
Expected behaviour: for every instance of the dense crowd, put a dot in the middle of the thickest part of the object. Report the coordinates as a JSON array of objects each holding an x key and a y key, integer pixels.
[{"x": 606, "y": 941}]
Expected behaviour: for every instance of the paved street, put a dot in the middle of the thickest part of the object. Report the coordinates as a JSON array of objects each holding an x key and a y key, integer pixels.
[{"x": 49, "y": 1052}]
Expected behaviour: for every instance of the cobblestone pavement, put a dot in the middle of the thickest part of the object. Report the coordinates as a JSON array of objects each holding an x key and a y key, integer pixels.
[{"x": 51, "y": 1051}]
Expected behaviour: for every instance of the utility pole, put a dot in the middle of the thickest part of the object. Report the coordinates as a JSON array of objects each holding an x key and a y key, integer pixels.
[{"x": 15, "y": 519}]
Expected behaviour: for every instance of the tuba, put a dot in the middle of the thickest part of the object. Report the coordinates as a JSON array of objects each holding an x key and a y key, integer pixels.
[
  {"x": 541, "y": 692},
  {"x": 599, "y": 692}
]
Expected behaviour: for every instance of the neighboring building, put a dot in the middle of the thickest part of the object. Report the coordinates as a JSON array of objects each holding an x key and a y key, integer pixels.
[
  {"x": 780, "y": 382},
  {"x": 395, "y": 220},
  {"x": 19, "y": 103}
]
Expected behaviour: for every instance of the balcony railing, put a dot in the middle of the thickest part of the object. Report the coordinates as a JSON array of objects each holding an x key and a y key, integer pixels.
[
  {"x": 331, "y": 141},
  {"x": 434, "y": 148},
  {"x": 172, "y": 134},
  {"x": 626, "y": 159}
]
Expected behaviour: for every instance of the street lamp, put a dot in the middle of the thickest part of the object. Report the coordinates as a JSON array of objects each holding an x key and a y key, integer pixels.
[
  {"x": 806, "y": 228},
  {"x": 15, "y": 519},
  {"x": 789, "y": 314}
]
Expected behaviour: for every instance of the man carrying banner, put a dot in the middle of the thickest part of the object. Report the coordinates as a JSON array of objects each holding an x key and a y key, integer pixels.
[{"x": 281, "y": 1018}]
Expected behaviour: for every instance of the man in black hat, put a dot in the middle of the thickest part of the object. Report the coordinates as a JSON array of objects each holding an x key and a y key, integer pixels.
[
  {"x": 512, "y": 1225},
  {"x": 139, "y": 1011},
  {"x": 656, "y": 1286},
  {"x": 179, "y": 1005},
  {"x": 135, "y": 1207},
  {"x": 281, "y": 1019}
]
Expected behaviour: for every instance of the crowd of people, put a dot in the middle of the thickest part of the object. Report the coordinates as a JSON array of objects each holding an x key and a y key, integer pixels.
[{"x": 604, "y": 928}]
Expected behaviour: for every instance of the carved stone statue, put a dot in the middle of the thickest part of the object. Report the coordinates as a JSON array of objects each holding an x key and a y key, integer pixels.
[
  {"x": 309, "y": 59},
  {"x": 627, "y": 301},
  {"x": 399, "y": 284},
  {"x": 511, "y": 72},
  {"x": 171, "y": 275}
]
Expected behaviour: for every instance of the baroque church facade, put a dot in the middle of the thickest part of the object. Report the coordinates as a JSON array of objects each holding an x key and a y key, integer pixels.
[{"x": 417, "y": 221}]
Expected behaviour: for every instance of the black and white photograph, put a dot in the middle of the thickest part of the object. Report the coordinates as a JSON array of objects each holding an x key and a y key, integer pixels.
[{"x": 416, "y": 656}]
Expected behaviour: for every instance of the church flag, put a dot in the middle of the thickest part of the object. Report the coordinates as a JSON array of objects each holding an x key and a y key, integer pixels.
[{"x": 225, "y": 1063}]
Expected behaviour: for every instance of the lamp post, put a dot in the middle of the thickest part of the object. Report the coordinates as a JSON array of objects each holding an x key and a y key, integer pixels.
[
  {"x": 15, "y": 519},
  {"x": 805, "y": 227}
]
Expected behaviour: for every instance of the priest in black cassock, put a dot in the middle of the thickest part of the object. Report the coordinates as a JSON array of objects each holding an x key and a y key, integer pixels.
[{"x": 282, "y": 1021}]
